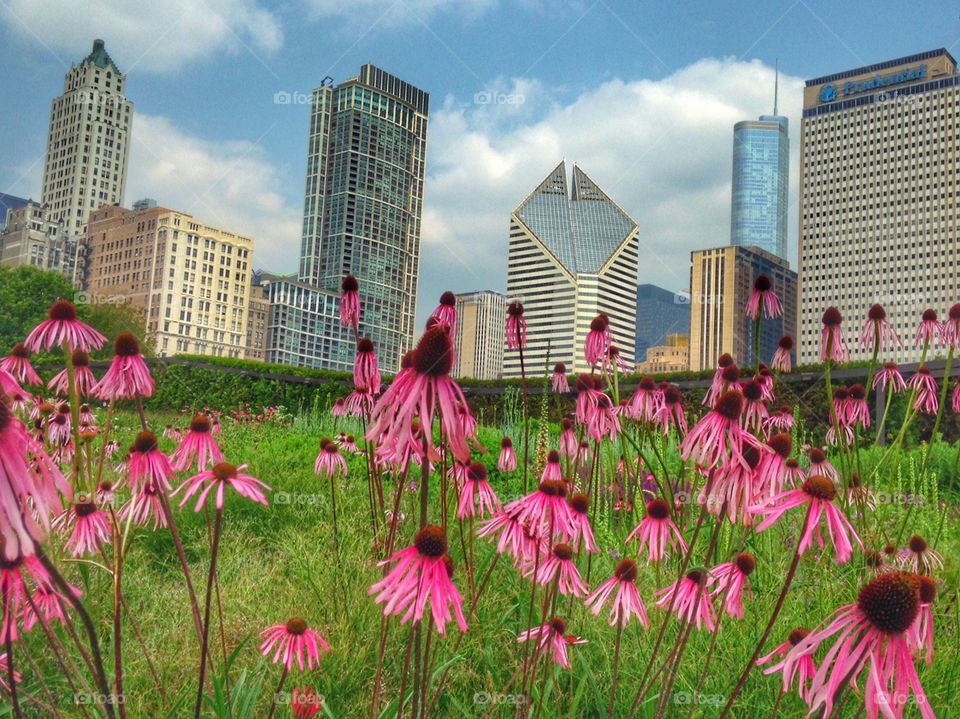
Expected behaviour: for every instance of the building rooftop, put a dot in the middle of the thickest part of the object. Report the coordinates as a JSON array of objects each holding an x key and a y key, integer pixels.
[
  {"x": 877, "y": 67},
  {"x": 100, "y": 57}
]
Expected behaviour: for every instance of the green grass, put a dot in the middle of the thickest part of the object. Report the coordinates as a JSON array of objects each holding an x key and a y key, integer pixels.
[{"x": 282, "y": 561}]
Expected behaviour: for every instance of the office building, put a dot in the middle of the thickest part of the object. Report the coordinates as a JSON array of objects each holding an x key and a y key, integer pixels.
[
  {"x": 7, "y": 203},
  {"x": 572, "y": 256},
  {"x": 362, "y": 209},
  {"x": 481, "y": 317},
  {"x": 660, "y": 313},
  {"x": 191, "y": 281},
  {"x": 879, "y": 197},
  {"x": 721, "y": 280},
  {"x": 257, "y": 317},
  {"x": 88, "y": 142},
  {"x": 33, "y": 237},
  {"x": 671, "y": 356}
]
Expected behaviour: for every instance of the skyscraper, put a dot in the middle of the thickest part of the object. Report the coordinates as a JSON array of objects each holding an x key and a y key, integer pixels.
[
  {"x": 721, "y": 280},
  {"x": 879, "y": 197},
  {"x": 481, "y": 317},
  {"x": 660, "y": 313},
  {"x": 761, "y": 179},
  {"x": 572, "y": 256},
  {"x": 362, "y": 208},
  {"x": 86, "y": 161}
]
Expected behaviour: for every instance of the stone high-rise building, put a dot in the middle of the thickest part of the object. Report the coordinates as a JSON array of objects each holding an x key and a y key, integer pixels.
[
  {"x": 481, "y": 317},
  {"x": 32, "y": 237}
]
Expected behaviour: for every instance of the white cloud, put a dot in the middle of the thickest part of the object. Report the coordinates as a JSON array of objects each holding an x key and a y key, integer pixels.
[
  {"x": 155, "y": 36},
  {"x": 662, "y": 149},
  {"x": 224, "y": 183},
  {"x": 390, "y": 13}
]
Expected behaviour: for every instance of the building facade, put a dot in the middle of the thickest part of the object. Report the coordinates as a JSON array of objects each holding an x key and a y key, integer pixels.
[
  {"x": 573, "y": 254},
  {"x": 33, "y": 237},
  {"x": 481, "y": 317},
  {"x": 88, "y": 142},
  {"x": 362, "y": 210},
  {"x": 7, "y": 203},
  {"x": 671, "y": 356},
  {"x": 761, "y": 179},
  {"x": 660, "y": 313},
  {"x": 192, "y": 281},
  {"x": 257, "y": 317},
  {"x": 721, "y": 280},
  {"x": 879, "y": 197}
]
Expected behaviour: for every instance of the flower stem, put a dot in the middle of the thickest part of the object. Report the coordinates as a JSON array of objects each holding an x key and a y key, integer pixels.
[
  {"x": 616, "y": 666},
  {"x": 276, "y": 692},
  {"x": 204, "y": 641}
]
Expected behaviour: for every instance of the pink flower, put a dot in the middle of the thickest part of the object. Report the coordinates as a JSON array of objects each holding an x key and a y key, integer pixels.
[
  {"x": 579, "y": 504},
  {"x": 627, "y": 602},
  {"x": 804, "y": 669},
  {"x": 656, "y": 531},
  {"x": 550, "y": 637},
  {"x": 63, "y": 329},
  {"x": 568, "y": 440},
  {"x": 874, "y": 635},
  {"x": 148, "y": 464},
  {"x": 420, "y": 393},
  {"x": 560, "y": 568},
  {"x": 338, "y": 409},
  {"x": 47, "y": 604},
  {"x": 731, "y": 579},
  {"x": 950, "y": 330},
  {"x": 522, "y": 538},
  {"x": 603, "y": 421},
  {"x": 819, "y": 464},
  {"x": 128, "y": 376},
  {"x": 614, "y": 362},
  {"x": 358, "y": 403},
  {"x": 330, "y": 463},
  {"x": 889, "y": 374},
  {"x": 366, "y": 370},
  {"x": 144, "y": 505},
  {"x": 926, "y": 388},
  {"x": 220, "y": 477},
  {"x": 736, "y": 486},
  {"x": 857, "y": 410},
  {"x": 90, "y": 528},
  {"x": 772, "y": 472},
  {"x": 17, "y": 363},
  {"x": 548, "y": 507},
  {"x": 13, "y": 588},
  {"x": 782, "y": 358},
  {"x": 559, "y": 379},
  {"x": 198, "y": 445},
  {"x": 476, "y": 490},
  {"x": 305, "y": 703},
  {"x": 763, "y": 297},
  {"x": 817, "y": 495},
  {"x": 928, "y": 330},
  {"x": 598, "y": 340},
  {"x": 291, "y": 641},
  {"x": 516, "y": 329},
  {"x": 918, "y": 557},
  {"x": 671, "y": 413},
  {"x": 446, "y": 313},
  {"x": 718, "y": 434},
  {"x": 422, "y": 572},
  {"x": 726, "y": 377},
  {"x": 877, "y": 332},
  {"x": 552, "y": 470},
  {"x": 645, "y": 403},
  {"x": 5, "y": 673},
  {"x": 832, "y": 346},
  {"x": 350, "y": 302},
  {"x": 507, "y": 462},
  {"x": 755, "y": 410},
  {"x": 922, "y": 630},
  {"x": 83, "y": 378},
  {"x": 689, "y": 597}
]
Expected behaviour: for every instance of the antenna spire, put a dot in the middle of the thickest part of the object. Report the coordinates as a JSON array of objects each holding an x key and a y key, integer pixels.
[{"x": 776, "y": 83}]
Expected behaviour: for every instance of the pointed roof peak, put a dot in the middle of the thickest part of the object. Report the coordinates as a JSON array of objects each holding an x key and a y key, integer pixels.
[
  {"x": 555, "y": 183},
  {"x": 100, "y": 57}
]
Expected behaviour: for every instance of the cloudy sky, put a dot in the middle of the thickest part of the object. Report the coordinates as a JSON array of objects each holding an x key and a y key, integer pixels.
[{"x": 642, "y": 95}]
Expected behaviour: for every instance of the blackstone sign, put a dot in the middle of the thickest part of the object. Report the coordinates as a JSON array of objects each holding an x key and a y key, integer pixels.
[{"x": 829, "y": 93}]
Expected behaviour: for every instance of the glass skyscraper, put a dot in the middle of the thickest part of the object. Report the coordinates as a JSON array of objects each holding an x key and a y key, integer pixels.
[
  {"x": 362, "y": 208},
  {"x": 761, "y": 177}
]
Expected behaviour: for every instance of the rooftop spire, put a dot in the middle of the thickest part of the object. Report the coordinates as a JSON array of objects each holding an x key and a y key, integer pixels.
[{"x": 776, "y": 83}]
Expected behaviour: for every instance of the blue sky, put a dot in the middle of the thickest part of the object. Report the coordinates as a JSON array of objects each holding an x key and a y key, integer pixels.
[{"x": 642, "y": 95}]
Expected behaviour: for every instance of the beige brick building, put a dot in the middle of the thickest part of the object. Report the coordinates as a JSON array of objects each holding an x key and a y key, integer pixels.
[
  {"x": 192, "y": 280},
  {"x": 481, "y": 317},
  {"x": 33, "y": 237},
  {"x": 674, "y": 356},
  {"x": 257, "y": 317}
]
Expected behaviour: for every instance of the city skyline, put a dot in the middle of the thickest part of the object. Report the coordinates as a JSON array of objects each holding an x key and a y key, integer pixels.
[{"x": 481, "y": 146}]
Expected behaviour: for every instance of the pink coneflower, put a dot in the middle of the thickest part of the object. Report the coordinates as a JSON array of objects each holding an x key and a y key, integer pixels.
[
  {"x": 598, "y": 340},
  {"x": 522, "y": 538},
  {"x": 294, "y": 641},
  {"x": 305, "y": 703},
  {"x": 857, "y": 409},
  {"x": 547, "y": 506},
  {"x": 781, "y": 420},
  {"x": 918, "y": 557},
  {"x": 568, "y": 440},
  {"x": 358, "y": 403},
  {"x": 143, "y": 506},
  {"x": 889, "y": 374},
  {"x": 17, "y": 363},
  {"x": 446, "y": 313},
  {"x": 950, "y": 330},
  {"x": 14, "y": 571},
  {"x": 582, "y": 532},
  {"x": 726, "y": 378},
  {"x": 926, "y": 388},
  {"x": 58, "y": 428},
  {"x": 782, "y": 358},
  {"x": 764, "y": 377},
  {"x": 476, "y": 493},
  {"x": 46, "y": 603},
  {"x": 754, "y": 408},
  {"x": 877, "y": 331},
  {"x": 923, "y": 626},
  {"x": 589, "y": 392},
  {"x": 772, "y": 472},
  {"x": 90, "y": 528},
  {"x": 87, "y": 417},
  {"x": 349, "y": 444},
  {"x": 731, "y": 579},
  {"x": 516, "y": 328},
  {"x": 657, "y": 531},
  {"x": 804, "y": 669},
  {"x": 613, "y": 361},
  {"x": 718, "y": 433},
  {"x": 929, "y": 329},
  {"x": 560, "y": 567},
  {"x": 763, "y": 297},
  {"x": 874, "y": 634},
  {"x": 5, "y": 674},
  {"x": 172, "y": 433},
  {"x": 330, "y": 463},
  {"x": 63, "y": 329},
  {"x": 689, "y": 597},
  {"x": 817, "y": 494},
  {"x": 736, "y": 486},
  {"x": 552, "y": 470},
  {"x": 220, "y": 477},
  {"x": 350, "y": 302},
  {"x": 366, "y": 370},
  {"x": 645, "y": 403},
  {"x": 128, "y": 376},
  {"x": 626, "y": 603},
  {"x": 603, "y": 421},
  {"x": 83, "y": 378},
  {"x": 551, "y": 638},
  {"x": 338, "y": 408},
  {"x": 148, "y": 464},
  {"x": 198, "y": 445},
  {"x": 427, "y": 388},
  {"x": 671, "y": 413},
  {"x": 421, "y": 572},
  {"x": 507, "y": 462},
  {"x": 832, "y": 346},
  {"x": 820, "y": 465},
  {"x": 558, "y": 379}
]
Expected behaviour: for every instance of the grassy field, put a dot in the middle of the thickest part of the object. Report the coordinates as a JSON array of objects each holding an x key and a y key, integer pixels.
[{"x": 283, "y": 561}]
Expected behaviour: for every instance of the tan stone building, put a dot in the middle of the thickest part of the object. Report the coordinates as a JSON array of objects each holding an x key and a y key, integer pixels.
[
  {"x": 192, "y": 280},
  {"x": 481, "y": 317},
  {"x": 33, "y": 237},
  {"x": 721, "y": 280},
  {"x": 257, "y": 317},
  {"x": 674, "y": 356}
]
